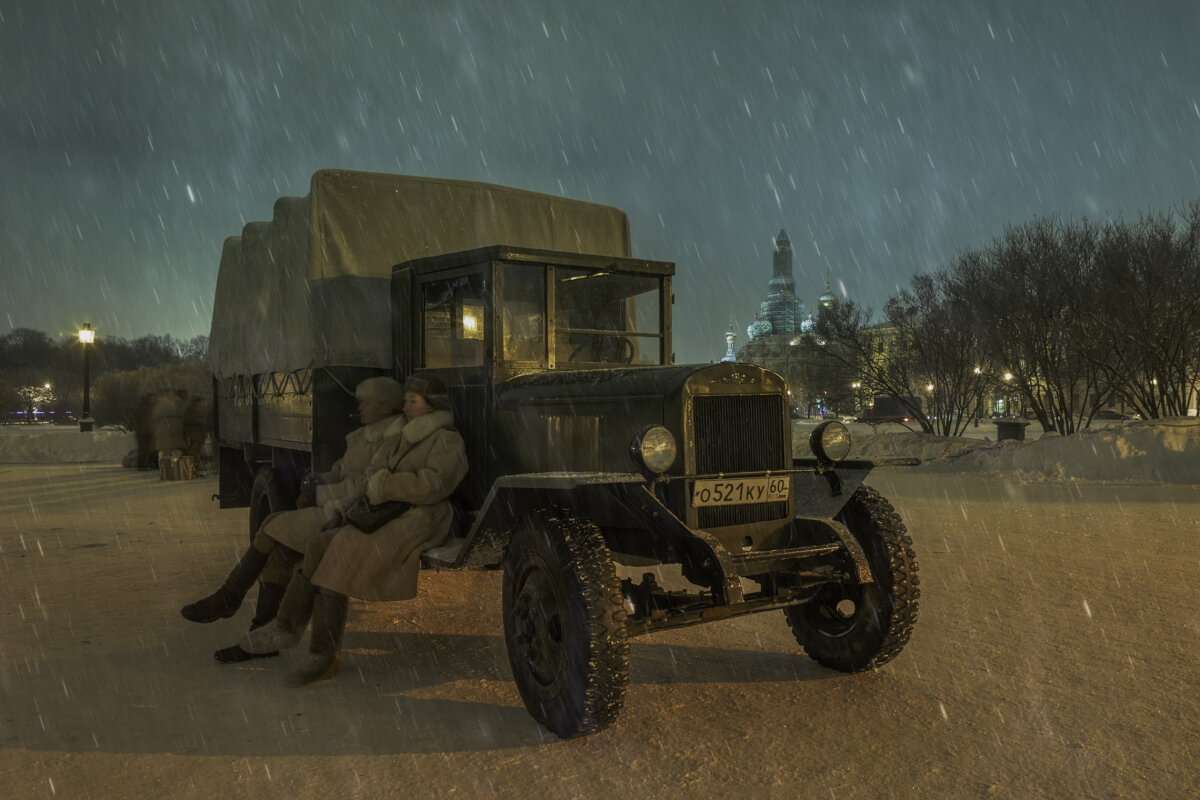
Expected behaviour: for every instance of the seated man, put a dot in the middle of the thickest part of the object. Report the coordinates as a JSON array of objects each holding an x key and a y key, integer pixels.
[
  {"x": 282, "y": 538},
  {"x": 423, "y": 467}
]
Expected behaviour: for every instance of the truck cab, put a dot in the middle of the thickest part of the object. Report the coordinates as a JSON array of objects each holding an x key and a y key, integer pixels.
[
  {"x": 590, "y": 448},
  {"x": 494, "y": 321}
]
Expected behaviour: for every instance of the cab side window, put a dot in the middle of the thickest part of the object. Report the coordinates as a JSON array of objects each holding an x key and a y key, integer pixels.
[
  {"x": 524, "y": 315},
  {"x": 453, "y": 323}
]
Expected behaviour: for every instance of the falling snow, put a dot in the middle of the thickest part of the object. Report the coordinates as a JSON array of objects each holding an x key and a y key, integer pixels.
[
  {"x": 896, "y": 134},
  {"x": 1057, "y": 646}
]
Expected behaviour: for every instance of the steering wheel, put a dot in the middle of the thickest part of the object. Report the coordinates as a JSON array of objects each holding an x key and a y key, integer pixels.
[
  {"x": 605, "y": 350},
  {"x": 625, "y": 350}
]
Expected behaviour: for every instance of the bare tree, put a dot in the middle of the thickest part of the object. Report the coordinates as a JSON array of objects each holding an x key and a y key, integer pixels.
[
  {"x": 823, "y": 374},
  {"x": 31, "y": 359},
  {"x": 1151, "y": 313},
  {"x": 1030, "y": 294},
  {"x": 194, "y": 349},
  {"x": 35, "y": 398},
  {"x": 938, "y": 333},
  {"x": 1079, "y": 315},
  {"x": 926, "y": 356},
  {"x": 26, "y": 348},
  {"x": 870, "y": 351}
]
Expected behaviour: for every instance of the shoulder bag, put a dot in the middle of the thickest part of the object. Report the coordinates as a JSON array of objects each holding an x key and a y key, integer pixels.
[{"x": 370, "y": 518}]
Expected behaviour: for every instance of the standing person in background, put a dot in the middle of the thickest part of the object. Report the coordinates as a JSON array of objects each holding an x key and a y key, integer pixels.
[
  {"x": 196, "y": 424},
  {"x": 422, "y": 468},
  {"x": 143, "y": 430},
  {"x": 168, "y": 425}
]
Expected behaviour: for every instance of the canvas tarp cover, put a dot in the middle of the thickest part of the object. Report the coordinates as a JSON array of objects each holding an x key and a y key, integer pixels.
[{"x": 311, "y": 287}]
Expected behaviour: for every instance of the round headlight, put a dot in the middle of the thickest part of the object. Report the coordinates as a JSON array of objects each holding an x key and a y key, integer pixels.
[
  {"x": 830, "y": 441},
  {"x": 654, "y": 448}
]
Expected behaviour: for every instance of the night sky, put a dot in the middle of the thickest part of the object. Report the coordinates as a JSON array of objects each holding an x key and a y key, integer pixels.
[{"x": 885, "y": 137}]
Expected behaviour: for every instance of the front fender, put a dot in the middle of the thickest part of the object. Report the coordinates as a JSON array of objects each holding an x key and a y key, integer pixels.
[
  {"x": 822, "y": 489},
  {"x": 513, "y": 497},
  {"x": 611, "y": 500}
]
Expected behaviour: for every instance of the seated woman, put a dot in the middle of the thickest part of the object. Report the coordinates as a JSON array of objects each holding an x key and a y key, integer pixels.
[
  {"x": 283, "y": 536},
  {"x": 423, "y": 467}
]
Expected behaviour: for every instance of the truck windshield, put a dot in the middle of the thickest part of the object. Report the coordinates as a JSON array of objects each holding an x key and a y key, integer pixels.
[{"x": 596, "y": 317}]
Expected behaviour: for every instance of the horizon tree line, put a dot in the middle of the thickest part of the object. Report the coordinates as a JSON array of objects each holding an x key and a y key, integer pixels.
[
  {"x": 39, "y": 374},
  {"x": 1071, "y": 317}
]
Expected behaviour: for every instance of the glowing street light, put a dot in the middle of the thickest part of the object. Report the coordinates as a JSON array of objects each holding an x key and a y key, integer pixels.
[
  {"x": 86, "y": 337},
  {"x": 1008, "y": 376},
  {"x": 978, "y": 398}
]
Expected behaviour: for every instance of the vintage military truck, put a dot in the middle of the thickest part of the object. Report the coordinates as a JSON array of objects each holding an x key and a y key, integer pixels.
[{"x": 598, "y": 466}]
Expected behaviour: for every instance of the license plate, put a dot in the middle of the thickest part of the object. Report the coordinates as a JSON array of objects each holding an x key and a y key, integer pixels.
[{"x": 739, "y": 491}]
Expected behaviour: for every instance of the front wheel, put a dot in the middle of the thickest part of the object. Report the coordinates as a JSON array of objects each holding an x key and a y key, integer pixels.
[
  {"x": 857, "y": 627},
  {"x": 564, "y": 624}
]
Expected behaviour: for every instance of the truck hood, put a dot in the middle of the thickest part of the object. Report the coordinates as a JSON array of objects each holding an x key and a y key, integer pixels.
[{"x": 627, "y": 383}]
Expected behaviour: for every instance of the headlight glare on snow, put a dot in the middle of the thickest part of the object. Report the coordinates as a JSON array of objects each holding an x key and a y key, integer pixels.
[
  {"x": 830, "y": 441},
  {"x": 654, "y": 448}
]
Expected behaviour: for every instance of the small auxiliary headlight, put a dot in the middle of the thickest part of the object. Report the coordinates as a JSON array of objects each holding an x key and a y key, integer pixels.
[
  {"x": 654, "y": 448},
  {"x": 830, "y": 441}
]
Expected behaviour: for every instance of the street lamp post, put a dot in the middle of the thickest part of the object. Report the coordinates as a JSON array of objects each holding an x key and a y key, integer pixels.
[
  {"x": 978, "y": 396},
  {"x": 86, "y": 337},
  {"x": 791, "y": 377}
]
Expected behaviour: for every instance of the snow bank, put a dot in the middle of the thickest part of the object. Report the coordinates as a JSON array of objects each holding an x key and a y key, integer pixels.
[
  {"x": 62, "y": 444},
  {"x": 1162, "y": 451}
]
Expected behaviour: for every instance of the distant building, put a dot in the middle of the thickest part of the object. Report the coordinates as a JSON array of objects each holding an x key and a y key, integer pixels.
[
  {"x": 777, "y": 337},
  {"x": 782, "y": 312},
  {"x": 730, "y": 338}
]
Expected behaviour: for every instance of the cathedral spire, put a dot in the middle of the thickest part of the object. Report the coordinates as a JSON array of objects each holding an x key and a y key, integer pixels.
[
  {"x": 781, "y": 312},
  {"x": 783, "y": 256},
  {"x": 730, "y": 338}
]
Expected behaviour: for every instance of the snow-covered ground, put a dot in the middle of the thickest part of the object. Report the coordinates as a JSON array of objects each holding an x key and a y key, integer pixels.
[
  {"x": 1163, "y": 451},
  {"x": 1054, "y": 655},
  {"x": 62, "y": 444}
]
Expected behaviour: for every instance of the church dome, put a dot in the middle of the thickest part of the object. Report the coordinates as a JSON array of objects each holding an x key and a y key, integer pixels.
[
  {"x": 758, "y": 329},
  {"x": 828, "y": 299}
]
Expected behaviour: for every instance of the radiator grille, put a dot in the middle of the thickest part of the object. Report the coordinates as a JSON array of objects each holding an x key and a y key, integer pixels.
[{"x": 739, "y": 433}]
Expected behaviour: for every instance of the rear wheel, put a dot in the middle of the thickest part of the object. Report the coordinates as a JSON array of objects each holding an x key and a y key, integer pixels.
[
  {"x": 856, "y": 627},
  {"x": 266, "y": 497},
  {"x": 564, "y": 624}
]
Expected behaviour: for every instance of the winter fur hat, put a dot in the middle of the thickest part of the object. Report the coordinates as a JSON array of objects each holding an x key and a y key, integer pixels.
[
  {"x": 383, "y": 390},
  {"x": 430, "y": 387}
]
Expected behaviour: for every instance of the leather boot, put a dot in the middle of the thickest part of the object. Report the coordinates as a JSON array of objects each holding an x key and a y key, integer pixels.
[
  {"x": 288, "y": 626},
  {"x": 225, "y": 602},
  {"x": 269, "y": 597},
  {"x": 329, "y": 621}
]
